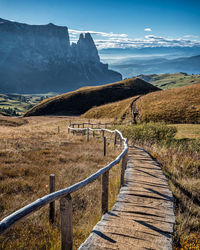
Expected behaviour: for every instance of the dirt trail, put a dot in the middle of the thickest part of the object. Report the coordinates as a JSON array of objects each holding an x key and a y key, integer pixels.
[
  {"x": 143, "y": 216},
  {"x": 134, "y": 109}
]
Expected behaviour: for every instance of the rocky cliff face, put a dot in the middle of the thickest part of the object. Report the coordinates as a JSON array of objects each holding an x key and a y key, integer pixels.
[{"x": 40, "y": 59}]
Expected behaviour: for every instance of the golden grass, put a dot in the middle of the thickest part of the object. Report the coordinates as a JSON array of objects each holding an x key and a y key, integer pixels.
[
  {"x": 28, "y": 155},
  {"x": 12, "y": 121},
  {"x": 118, "y": 110},
  {"x": 179, "y": 105},
  {"x": 182, "y": 170}
]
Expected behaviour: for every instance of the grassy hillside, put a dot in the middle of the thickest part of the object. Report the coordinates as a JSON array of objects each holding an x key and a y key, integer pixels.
[
  {"x": 81, "y": 100},
  {"x": 179, "y": 105},
  {"x": 168, "y": 81},
  {"x": 117, "y": 110}
]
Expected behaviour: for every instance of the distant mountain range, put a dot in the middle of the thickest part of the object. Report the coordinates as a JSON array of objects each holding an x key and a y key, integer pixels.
[
  {"x": 40, "y": 59},
  {"x": 135, "y": 66},
  {"x": 119, "y": 55}
]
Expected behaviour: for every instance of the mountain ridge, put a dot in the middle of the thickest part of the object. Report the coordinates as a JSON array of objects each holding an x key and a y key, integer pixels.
[
  {"x": 133, "y": 66},
  {"x": 39, "y": 59}
]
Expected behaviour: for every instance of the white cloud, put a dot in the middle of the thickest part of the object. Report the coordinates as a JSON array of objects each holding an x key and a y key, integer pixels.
[
  {"x": 148, "y": 41},
  {"x": 148, "y": 29},
  {"x": 104, "y": 34},
  {"x": 190, "y": 36}
]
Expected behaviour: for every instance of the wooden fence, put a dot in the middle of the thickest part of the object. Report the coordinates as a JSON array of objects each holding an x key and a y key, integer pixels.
[{"x": 64, "y": 195}]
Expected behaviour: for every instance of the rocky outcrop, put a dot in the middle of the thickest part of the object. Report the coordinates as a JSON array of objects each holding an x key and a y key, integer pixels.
[{"x": 40, "y": 59}]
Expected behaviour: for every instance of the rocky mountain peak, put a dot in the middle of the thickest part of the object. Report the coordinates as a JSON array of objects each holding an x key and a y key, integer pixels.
[{"x": 87, "y": 49}]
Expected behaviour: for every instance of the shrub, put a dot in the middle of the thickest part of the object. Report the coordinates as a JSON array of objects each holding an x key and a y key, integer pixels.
[{"x": 150, "y": 133}]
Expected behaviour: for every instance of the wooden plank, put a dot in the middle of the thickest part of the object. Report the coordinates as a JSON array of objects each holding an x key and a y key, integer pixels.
[{"x": 66, "y": 223}]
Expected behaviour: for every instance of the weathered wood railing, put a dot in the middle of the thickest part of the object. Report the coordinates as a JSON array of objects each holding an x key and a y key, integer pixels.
[{"x": 65, "y": 194}]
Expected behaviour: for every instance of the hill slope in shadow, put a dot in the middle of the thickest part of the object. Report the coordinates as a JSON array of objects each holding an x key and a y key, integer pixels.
[{"x": 81, "y": 100}]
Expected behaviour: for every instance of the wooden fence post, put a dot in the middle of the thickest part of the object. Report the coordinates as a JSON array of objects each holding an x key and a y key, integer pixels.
[
  {"x": 102, "y": 133},
  {"x": 93, "y": 133},
  {"x": 69, "y": 126},
  {"x": 115, "y": 139},
  {"x": 83, "y": 125},
  {"x": 88, "y": 135},
  {"x": 104, "y": 146},
  {"x": 66, "y": 223},
  {"x": 58, "y": 130},
  {"x": 123, "y": 170},
  {"x": 104, "y": 192},
  {"x": 120, "y": 142},
  {"x": 52, "y": 204}
]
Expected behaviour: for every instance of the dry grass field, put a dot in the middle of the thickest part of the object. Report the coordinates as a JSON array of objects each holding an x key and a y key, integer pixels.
[
  {"x": 29, "y": 153},
  {"x": 117, "y": 110},
  {"x": 179, "y": 105}
]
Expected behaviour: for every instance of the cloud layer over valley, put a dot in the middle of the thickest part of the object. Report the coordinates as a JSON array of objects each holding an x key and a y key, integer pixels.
[{"x": 104, "y": 40}]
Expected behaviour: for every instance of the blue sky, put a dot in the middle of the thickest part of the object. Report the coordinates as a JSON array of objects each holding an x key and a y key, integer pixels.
[{"x": 115, "y": 23}]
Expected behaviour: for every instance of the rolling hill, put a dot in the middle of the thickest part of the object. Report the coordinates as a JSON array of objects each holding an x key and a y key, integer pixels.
[
  {"x": 81, "y": 100},
  {"x": 178, "y": 105}
]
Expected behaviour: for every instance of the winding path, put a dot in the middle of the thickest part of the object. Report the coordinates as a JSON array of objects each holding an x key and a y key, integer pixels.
[{"x": 143, "y": 216}]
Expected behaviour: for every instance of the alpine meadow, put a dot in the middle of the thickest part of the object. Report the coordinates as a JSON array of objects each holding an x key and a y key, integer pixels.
[{"x": 99, "y": 125}]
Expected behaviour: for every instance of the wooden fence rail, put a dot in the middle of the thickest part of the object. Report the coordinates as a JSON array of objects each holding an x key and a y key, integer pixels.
[{"x": 64, "y": 194}]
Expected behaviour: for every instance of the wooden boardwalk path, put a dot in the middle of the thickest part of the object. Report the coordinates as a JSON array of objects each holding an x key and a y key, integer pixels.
[{"x": 143, "y": 216}]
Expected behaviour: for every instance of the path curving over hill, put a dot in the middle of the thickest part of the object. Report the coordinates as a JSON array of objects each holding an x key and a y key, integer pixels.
[{"x": 143, "y": 216}]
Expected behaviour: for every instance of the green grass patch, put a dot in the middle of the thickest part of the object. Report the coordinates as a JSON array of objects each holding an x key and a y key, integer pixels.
[
  {"x": 169, "y": 81},
  {"x": 187, "y": 131}
]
